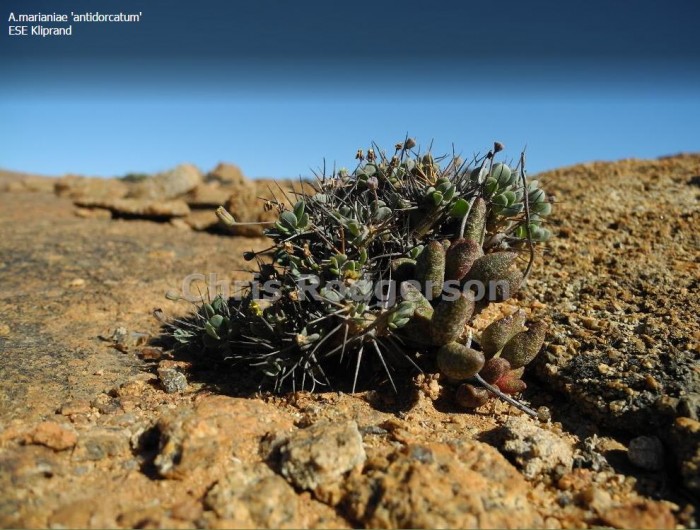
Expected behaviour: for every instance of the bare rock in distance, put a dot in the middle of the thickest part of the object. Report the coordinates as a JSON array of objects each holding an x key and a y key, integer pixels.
[
  {"x": 167, "y": 185},
  {"x": 536, "y": 451},
  {"x": 246, "y": 206},
  {"x": 247, "y": 202},
  {"x": 467, "y": 484},
  {"x": 217, "y": 428},
  {"x": 26, "y": 183},
  {"x": 200, "y": 220},
  {"x": 228, "y": 174},
  {"x": 143, "y": 208},
  {"x": 208, "y": 195},
  {"x": 321, "y": 454},
  {"x": 90, "y": 188}
]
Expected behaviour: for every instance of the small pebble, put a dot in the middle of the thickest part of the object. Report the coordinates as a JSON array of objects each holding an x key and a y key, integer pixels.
[
  {"x": 120, "y": 335},
  {"x": 544, "y": 414},
  {"x": 651, "y": 383},
  {"x": 150, "y": 354},
  {"x": 172, "y": 380},
  {"x": 604, "y": 368},
  {"x": 374, "y": 429},
  {"x": 590, "y": 323}
]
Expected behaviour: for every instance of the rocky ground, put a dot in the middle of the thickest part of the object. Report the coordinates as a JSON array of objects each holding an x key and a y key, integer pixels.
[{"x": 101, "y": 428}]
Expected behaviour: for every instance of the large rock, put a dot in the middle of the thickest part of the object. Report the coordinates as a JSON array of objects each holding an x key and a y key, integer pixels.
[
  {"x": 615, "y": 345},
  {"x": 321, "y": 454},
  {"x": 252, "y": 496},
  {"x": 467, "y": 485},
  {"x": 167, "y": 185},
  {"x": 207, "y": 436},
  {"x": 619, "y": 282},
  {"x": 145, "y": 208},
  {"x": 536, "y": 451},
  {"x": 208, "y": 195},
  {"x": 228, "y": 174},
  {"x": 201, "y": 220},
  {"x": 14, "y": 181},
  {"x": 100, "y": 444},
  {"x": 256, "y": 201},
  {"x": 642, "y": 514},
  {"x": 89, "y": 188},
  {"x": 53, "y": 435}
]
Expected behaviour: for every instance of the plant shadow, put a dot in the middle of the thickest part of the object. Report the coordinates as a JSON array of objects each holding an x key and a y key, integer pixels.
[{"x": 216, "y": 375}]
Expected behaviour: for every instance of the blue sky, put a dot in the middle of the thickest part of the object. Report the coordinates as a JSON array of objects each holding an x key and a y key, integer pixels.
[
  {"x": 277, "y": 100},
  {"x": 287, "y": 138}
]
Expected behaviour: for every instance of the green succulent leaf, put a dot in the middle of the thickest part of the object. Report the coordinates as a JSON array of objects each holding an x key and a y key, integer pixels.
[
  {"x": 211, "y": 331},
  {"x": 382, "y": 214},
  {"x": 398, "y": 323},
  {"x": 542, "y": 208},
  {"x": 218, "y": 304},
  {"x": 430, "y": 267},
  {"x": 512, "y": 210},
  {"x": 510, "y": 196},
  {"x": 542, "y": 234},
  {"x": 501, "y": 172},
  {"x": 500, "y": 200},
  {"x": 216, "y": 321},
  {"x": 289, "y": 219},
  {"x": 303, "y": 222},
  {"x": 476, "y": 221},
  {"x": 363, "y": 256},
  {"x": 299, "y": 208},
  {"x": 331, "y": 295},
  {"x": 475, "y": 174},
  {"x": 415, "y": 251},
  {"x": 490, "y": 186},
  {"x": 459, "y": 208},
  {"x": 354, "y": 228},
  {"x": 183, "y": 336},
  {"x": 369, "y": 169},
  {"x": 536, "y": 196}
]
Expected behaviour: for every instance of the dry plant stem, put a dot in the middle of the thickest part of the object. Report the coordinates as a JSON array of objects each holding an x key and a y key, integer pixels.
[
  {"x": 527, "y": 220},
  {"x": 505, "y": 397}
]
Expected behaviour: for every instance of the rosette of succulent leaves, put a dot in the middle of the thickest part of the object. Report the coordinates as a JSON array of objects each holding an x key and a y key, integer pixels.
[{"x": 377, "y": 273}]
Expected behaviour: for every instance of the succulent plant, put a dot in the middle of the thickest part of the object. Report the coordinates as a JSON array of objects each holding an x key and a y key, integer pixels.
[{"x": 387, "y": 264}]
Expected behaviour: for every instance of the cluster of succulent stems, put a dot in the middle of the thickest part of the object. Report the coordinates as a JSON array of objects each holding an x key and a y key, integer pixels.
[{"x": 403, "y": 219}]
